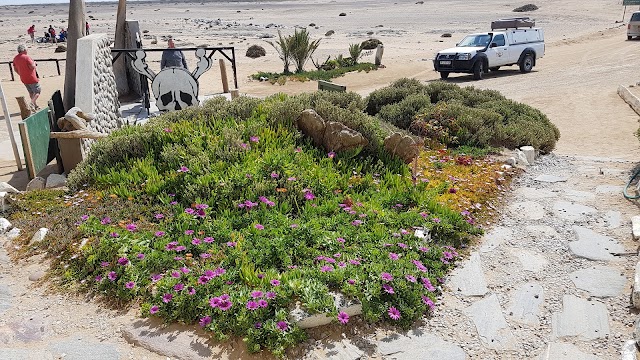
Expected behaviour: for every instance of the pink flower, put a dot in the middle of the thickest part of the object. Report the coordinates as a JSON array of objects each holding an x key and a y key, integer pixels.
[
  {"x": 105, "y": 264},
  {"x": 423, "y": 249},
  {"x": 191, "y": 291},
  {"x": 263, "y": 303},
  {"x": 231, "y": 243},
  {"x": 326, "y": 268},
  {"x": 205, "y": 321},
  {"x": 214, "y": 302},
  {"x": 275, "y": 282},
  {"x": 291, "y": 179},
  {"x": 436, "y": 220},
  {"x": 205, "y": 255},
  {"x": 175, "y": 274},
  {"x": 331, "y": 154},
  {"x": 386, "y": 276},
  {"x": 98, "y": 278},
  {"x": 427, "y": 284},
  {"x": 256, "y": 294},
  {"x": 167, "y": 130},
  {"x": 275, "y": 175},
  {"x": 130, "y": 285},
  {"x": 159, "y": 216},
  {"x": 140, "y": 256},
  {"x": 282, "y": 325},
  {"x": 254, "y": 139},
  {"x": 351, "y": 281},
  {"x": 428, "y": 302},
  {"x": 342, "y": 264},
  {"x": 308, "y": 195},
  {"x": 166, "y": 298},
  {"x": 208, "y": 240},
  {"x": 393, "y": 256},
  {"x": 340, "y": 240},
  {"x": 132, "y": 227},
  {"x": 394, "y": 313},
  {"x": 188, "y": 232},
  {"x": 196, "y": 241},
  {"x": 356, "y": 222},
  {"x": 388, "y": 289},
  {"x": 178, "y": 287},
  {"x": 244, "y": 145},
  {"x": 112, "y": 276},
  {"x": 259, "y": 227},
  {"x": 154, "y": 309},
  {"x": 270, "y": 295},
  {"x": 410, "y": 278},
  {"x": 105, "y": 220},
  {"x": 337, "y": 255},
  {"x": 160, "y": 233},
  {"x": 354, "y": 262},
  {"x": 225, "y": 305},
  {"x": 402, "y": 245},
  {"x": 343, "y": 317},
  {"x": 252, "y": 305},
  {"x": 183, "y": 169},
  {"x": 156, "y": 277}
]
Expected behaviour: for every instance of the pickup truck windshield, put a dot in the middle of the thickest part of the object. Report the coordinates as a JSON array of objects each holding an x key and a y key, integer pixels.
[{"x": 475, "y": 41}]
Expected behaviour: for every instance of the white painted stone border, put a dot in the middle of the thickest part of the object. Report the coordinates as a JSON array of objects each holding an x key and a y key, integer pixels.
[{"x": 629, "y": 98}]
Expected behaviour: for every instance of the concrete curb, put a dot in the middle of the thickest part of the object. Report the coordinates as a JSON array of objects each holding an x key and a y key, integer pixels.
[{"x": 629, "y": 98}]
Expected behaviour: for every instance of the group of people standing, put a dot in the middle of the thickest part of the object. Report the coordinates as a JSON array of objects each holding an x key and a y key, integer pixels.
[{"x": 50, "y": 35}]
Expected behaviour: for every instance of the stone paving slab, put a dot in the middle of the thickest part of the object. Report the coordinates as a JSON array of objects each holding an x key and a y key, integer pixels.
[
  {"x": 613, "y": 218},
  {"x": 78, "y": 349},
  {"x": 493, "y": 330},
  {"x": 593, "y": 246},
  {"x": 609, "y": 189},
  {"x": 469, "y": 280},
  {"x": 525, "y": 304},
  {"x": 420, "y": 345},
  {"x": 588, "y": 320},
  {"x": 174, "y": 341},
  {"x": 573, "y": 212},
  {"x": 341, "y": 350},
  {"x": 536, "y": 194},
  {"x": 529, "y": 210},
  {"x": 25, "y": 354},
  {"x": 599, "y": 281},
  {"x": 578, "y": 195},
  {"x": 564, "y": 351},
  {"x": 5, "y": 298},
  {"x": 551, "y": 178},
  {"x": 530, "y": 260},
  {"x": 494, "y": 238}
]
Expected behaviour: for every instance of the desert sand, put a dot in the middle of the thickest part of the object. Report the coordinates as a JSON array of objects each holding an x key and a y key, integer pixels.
[{"x": 587, "y": 55}]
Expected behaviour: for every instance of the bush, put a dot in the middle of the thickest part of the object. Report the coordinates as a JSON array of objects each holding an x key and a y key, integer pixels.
[
  {"x": 403, "y": 113},
  {"x": 255, "y": 51},
  {"x": 392, "y": 94},
  {"x": 370, "y": 44}
]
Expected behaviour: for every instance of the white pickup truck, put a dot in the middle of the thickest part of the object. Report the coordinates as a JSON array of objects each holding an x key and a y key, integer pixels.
[{"x": 511, "y": 42}]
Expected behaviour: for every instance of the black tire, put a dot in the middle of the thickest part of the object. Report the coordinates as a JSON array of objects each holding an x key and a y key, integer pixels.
[
  {"x": 444, "y": 75},
  {"x": 629, "y": 37},
  {"x": 478, "y": 70},
  {"x": 526, "y": 65},
  {"x": 495, "y": 68}
]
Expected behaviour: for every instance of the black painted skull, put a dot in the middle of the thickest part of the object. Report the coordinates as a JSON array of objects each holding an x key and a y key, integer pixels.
[{"x": 174, "y": 89}]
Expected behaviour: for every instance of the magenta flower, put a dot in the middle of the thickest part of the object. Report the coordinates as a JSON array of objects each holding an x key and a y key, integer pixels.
[
  {"x": 427, "y": 284},
  {"x": 275, "y": 282},
  {"x": 185, "y": 270},
  {"x": 105, "y": 264},
  {"x": 351, "y": 281},
  {"x": 130, "y": 285},
  {"x": 205, "y": 255},
  {"x": 225, "y": 304},
  {"x": 436, "y": 220},
  {"x": 191, "y": 291},
  {"x": 298, "y": 150},
  {"x": 410, "y": 278},
  {"x": 257, "y": 325},
  {"x": 342, "y": 264},
  {"x": 447, "y": 255},
  {"x": 428, "y": 302},
  {"x": 263, "y": 303},
  {"x": 156, "y": 277},
  {"x": 402, "y": 245},
  {"x": 340, "y": 240},
  {"x": 173, "y": 203},
  {"x": 112, "y": 276},
  {"x": 423, "y": 249},
  {"x": 386, "y": 276},
  {"x": 275, "y": 175},
  {"x": 175, "y": 274},
  {"x": 114, "y": 234},
  {"x": 282, "y": 325},
  {"x": 388, "y": 289},
  {"x": 183, "y": 169},
  {"x": 98, "y": 278},
  {"x": 393, "y": 256},
  {"x": 254, "y": 139},
  {"x": 259, "y": 227},
  {"x": 419, "y": 265},
  {"x": 356, "y": 222},
  {"x": 159, "y": 216},
  {"x": 291, "y": 179},
  {"x": 244, "y": 145},
  {"x": 394, "y": 313},
  {"x": 331, "y": 154},
  {"x": 123, "y": 261},
  {"x": 189, "y": 211},
  {"x": 140, "y": 256},
  {"x": 167, "y": 130},
  {"x": 180, "y": 248},
  {"x": 166, "y": 298},
  {"x": 208, "y": 240},
  {"x": 188, "y": 232},
  {"x": 343, "y": 317},
  {"x": 202, "y": 206},
  {"x": 196, "y": 241},
  {"x": 160, "y": 233},
  {"x": 105, "y": 220},
  {"x": 308, "y": 195},
  {"x": 205, "y": 321},
  {"x": 231, "y": 243},
  {"x": 178, "y": 287},
  {"x": 326, "y": 268},
  {"x": 132, "y": 227},
  {"x": 293, "y": 226},
  {"x": 252, "y": 305},
  {"x": 214, "y": 302},
  {"x": 354, "y": 262},
  {"x": 84, "y": 217},
  {"x": 257, "y": 294},
  {"x": 270, "y": 295},
  {"x": 154, "y": 309}
]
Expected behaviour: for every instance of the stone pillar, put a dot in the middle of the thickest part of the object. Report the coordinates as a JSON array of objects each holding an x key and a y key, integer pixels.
[
  {"x": 96, "y": 90},
  {"x": 379, "y": 52}
]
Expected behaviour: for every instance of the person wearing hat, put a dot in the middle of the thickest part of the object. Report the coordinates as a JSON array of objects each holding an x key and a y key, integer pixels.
[
  {"x": 173, "y": 57},
  {"x": 26, "y": 68}
]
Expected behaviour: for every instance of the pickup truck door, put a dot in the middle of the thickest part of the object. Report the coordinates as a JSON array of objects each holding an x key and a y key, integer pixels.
[{"x": 498, "y": 51}]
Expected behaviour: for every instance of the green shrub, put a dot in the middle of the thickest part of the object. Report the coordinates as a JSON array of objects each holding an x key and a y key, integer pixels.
[
  {"x": 392, "y": 94},
  {"x": 345, "y": 100},
  {"x": 326, "y": 74},
  {"x": 403, "y": 113}
]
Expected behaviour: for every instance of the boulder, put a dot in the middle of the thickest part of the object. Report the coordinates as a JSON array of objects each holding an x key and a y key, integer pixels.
[
  {"x": 5, "y": 225},
  {"x": 312, "y": 125},
  {"x": 39, "y": 236},
  {"x": 338, "y": 137},
  {"x": 13, "y": 233},
  {"x": 329, "y": 33},
  {"x": 255, "y": 51},
  {"x": 403, "y": 146},
  {"x": 446, "y": 35},
  {"x": 5, "y": 187},
  {"x": 343, "y": 14},
  {"x": 36, "y": 183},
  {"x": 60, "y": 49},
  {"x": 526, "y": 8},
  {"x": 370, "y": 44},
  {"x": 56, "y": 180}
]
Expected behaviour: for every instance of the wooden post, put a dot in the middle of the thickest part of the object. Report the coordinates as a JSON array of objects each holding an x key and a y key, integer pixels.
[
  {"x": 58, "y": 66},
  {"x": 7, "y": 118},
  {"x": 235, "y": 93},
  {"x": 75, "y": 31},
  {"x": 11, "y": 71},
  {"x": 379, "y": 52},
  {"x": 119, "y": 66},
  {"x": 25, "y": 110},
  {"x": 223, "y": 76}
]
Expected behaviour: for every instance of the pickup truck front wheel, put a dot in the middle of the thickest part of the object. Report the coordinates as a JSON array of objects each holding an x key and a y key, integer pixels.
[
  {"x": 526, "y": 64},
  {"x": 444, "y": 75},
  {"x": 478, "y": 70}
]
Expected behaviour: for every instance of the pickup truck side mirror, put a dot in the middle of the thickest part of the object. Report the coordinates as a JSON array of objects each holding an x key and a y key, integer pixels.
[{"x": 493, "y": 45}]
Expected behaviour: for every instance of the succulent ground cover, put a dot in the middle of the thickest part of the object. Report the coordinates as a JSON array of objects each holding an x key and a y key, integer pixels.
[{"x": 226, "y": 216}]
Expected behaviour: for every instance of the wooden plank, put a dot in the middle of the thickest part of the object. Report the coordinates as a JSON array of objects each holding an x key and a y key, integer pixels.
[
  {"x": 34, "y": 132},
  {"x": 327, "y": 86}
]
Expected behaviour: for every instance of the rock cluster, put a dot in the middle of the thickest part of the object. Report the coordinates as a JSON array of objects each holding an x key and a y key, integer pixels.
[
  {"x": 333, "y": 136},
  {"x": 526, "y": 8}
]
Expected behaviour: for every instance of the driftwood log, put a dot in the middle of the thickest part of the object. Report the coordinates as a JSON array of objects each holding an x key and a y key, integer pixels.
[{"x": 77, "y": 134}]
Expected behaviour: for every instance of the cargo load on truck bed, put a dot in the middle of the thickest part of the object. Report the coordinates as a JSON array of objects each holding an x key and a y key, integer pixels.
[{"x": 514, "y": 23}]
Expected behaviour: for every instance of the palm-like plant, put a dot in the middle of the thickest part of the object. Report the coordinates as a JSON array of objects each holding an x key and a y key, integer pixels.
[
  {"x": 301, "y": 48},
  {"x": 355, "y": 51},
  {"x": 283, "y": 47}
]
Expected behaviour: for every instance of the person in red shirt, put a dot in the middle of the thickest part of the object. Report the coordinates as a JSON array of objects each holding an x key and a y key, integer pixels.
[
  {"x": 32, "y": 32},
  {"x": 26, "y": 68},
  {"x": 87, "y": 26}
]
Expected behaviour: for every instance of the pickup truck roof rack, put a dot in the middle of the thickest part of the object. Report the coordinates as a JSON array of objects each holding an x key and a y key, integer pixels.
[{"x": 513, "y": 23}]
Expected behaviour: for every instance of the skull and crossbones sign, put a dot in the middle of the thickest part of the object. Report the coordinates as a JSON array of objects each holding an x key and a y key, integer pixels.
[{"x": 174, "y": 88}]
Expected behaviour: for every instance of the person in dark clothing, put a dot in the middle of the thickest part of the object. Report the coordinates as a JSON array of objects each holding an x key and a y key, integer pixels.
[
  {"x": 172, "y": 57},
  {"x": 52, "y": 34}
]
